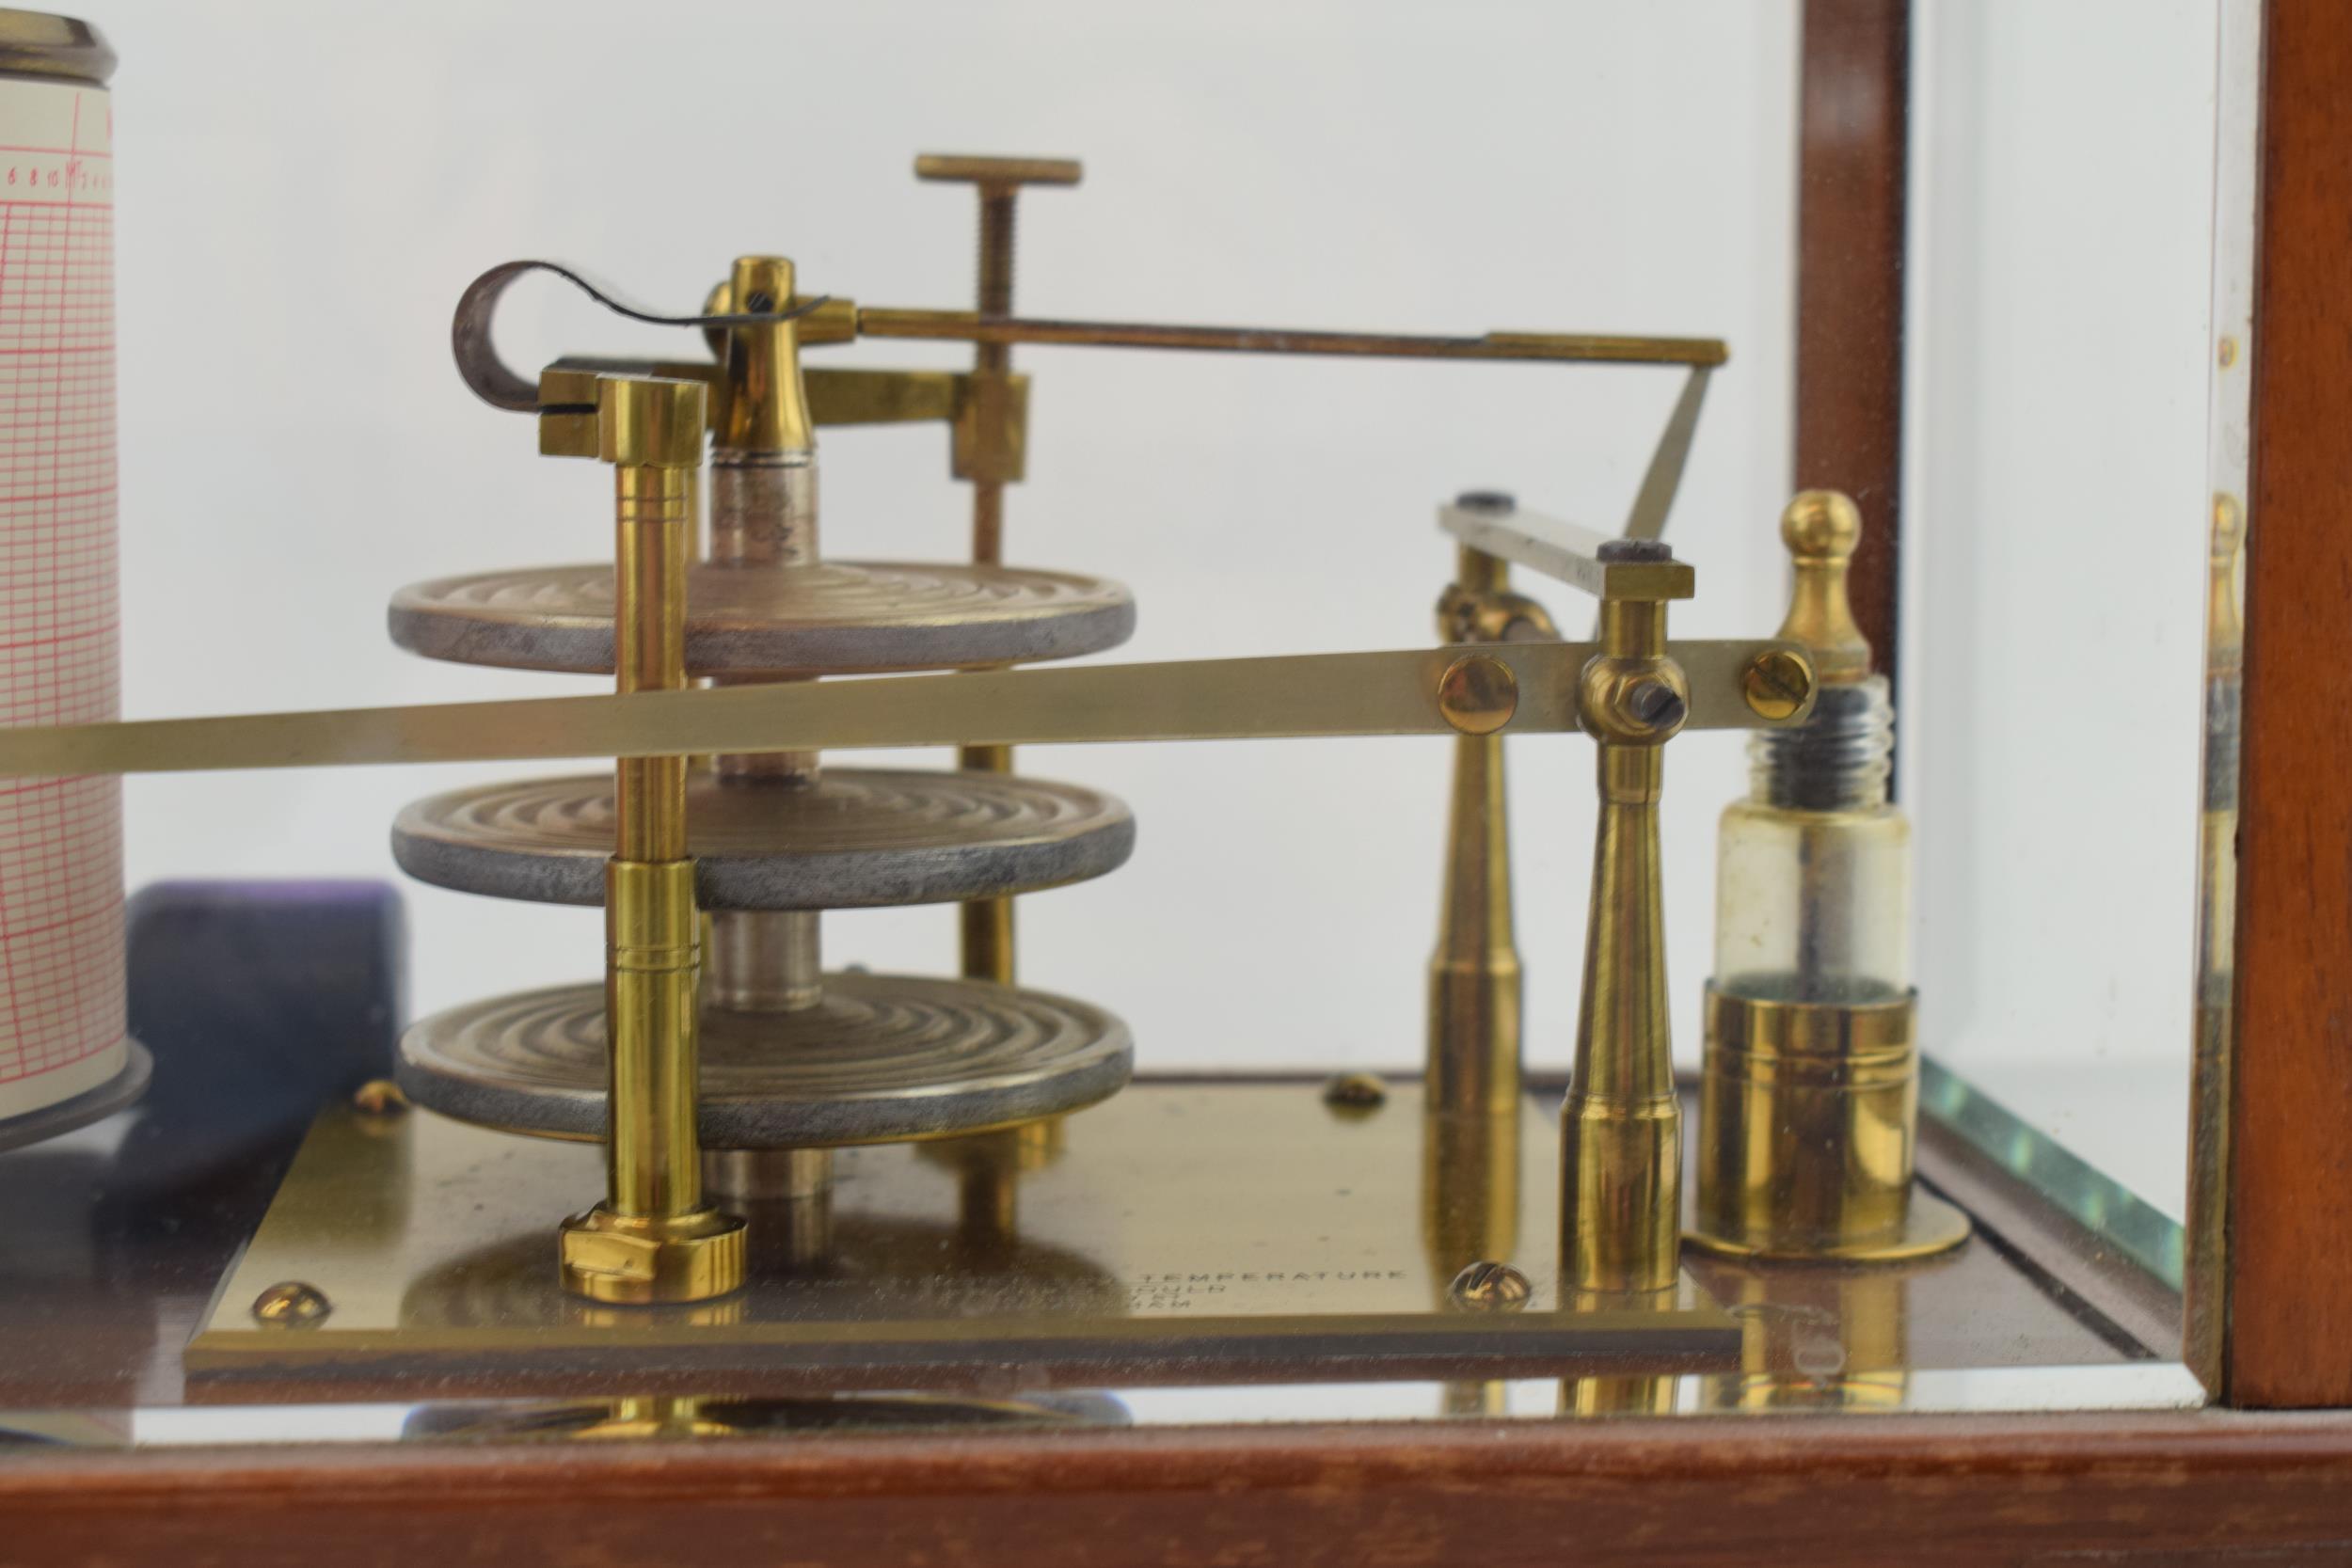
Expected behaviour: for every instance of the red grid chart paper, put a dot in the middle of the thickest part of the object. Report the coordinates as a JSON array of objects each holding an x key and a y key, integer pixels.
[{"x": 61, "y": 958}]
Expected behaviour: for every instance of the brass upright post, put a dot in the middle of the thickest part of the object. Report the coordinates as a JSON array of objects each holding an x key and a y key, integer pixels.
[
  {"x": 1621, "y": 1134},
  {"x": 1474, "y": 979},
  {"x": 653, "y": 1239},
  {"x": 987, "y": 922}
]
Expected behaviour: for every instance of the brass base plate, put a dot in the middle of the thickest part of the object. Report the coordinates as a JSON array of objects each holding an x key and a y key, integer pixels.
[
  {"x": 834, "y": 617},
  {"x": 1178, "y": 1233},
  {"x": 856, "y": 838}
]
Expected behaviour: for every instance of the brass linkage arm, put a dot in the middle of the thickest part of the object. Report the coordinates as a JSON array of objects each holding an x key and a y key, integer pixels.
[
  {"x": 828, "y": 320},
  {"x": 1300, "y": 695}
]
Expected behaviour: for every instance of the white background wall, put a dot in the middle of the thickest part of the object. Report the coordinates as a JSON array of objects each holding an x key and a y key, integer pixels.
[{"x": 304, "y": 189}]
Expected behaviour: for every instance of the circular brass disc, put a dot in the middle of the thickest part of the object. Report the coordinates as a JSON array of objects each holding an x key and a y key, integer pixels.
[
  {"x": 832, "y": 617},
  {"x": 882, "y": 1057},
  {"x": 1931, "y": 1226},
  {"x": 858, "y": 838}
]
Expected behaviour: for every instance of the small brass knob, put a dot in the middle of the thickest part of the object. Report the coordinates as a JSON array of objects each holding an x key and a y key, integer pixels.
[{"x": 1821, "y": 528}]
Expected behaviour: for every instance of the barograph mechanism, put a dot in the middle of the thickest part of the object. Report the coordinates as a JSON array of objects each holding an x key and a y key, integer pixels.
[{"x": 811, "y": 1177}]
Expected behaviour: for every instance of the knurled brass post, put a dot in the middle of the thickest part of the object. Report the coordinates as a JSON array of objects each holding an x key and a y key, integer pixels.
[
  {"x": 1621, "y": 1134},
  {"x": 986, "y": 924},
  {"x": 653, "y": 1239}
]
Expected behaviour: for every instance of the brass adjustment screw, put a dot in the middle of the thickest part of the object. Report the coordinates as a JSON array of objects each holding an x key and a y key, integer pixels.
[
  {"x": 986, "y": 925},
  {"x": 291, "y": 1303},
  {"x": 1776, "y": 684},
  {"x": 1488, "y": 1286},
  {"x": 1355, "y": 1091}
]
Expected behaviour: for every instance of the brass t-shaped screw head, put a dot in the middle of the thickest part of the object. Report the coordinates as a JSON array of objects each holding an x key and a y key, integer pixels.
[{"x": 999, "y": 180}]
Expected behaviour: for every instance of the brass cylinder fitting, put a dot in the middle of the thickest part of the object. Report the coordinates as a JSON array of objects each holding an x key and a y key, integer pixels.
[{"x": 1808, "y": 1117}]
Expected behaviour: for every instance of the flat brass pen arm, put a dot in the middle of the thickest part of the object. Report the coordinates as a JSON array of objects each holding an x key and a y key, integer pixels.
[
  {"x": 1578, "y": 348},
  {"x": 831, "y": 320},
  {"x": 1297, "y": 696}
]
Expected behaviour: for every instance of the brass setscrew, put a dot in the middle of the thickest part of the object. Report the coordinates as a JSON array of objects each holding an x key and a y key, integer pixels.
[
  {"x": 1488, "y": 1286},
  {"x": 1776, "y": 684},
  {"x": 379, "y": 1097},
  {"x": 1355, "y": 1091},
  {"x": 293, "y": 1304}
]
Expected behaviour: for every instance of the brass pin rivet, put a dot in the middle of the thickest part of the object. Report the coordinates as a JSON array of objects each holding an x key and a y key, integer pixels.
[
  {"x": 379, "y": 1097},
  {"x": 1355, "y": 1091},
  {"x": 1477, "y": 694},
  {"x": 291, "y": 1303},
  {"x": 1776, "y": 683},
  {"x": 1487, "y": 1286}
]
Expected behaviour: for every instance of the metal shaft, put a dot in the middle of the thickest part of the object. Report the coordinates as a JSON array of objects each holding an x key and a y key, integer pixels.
[
  {"x": 652, "y": 932},
  {"x": 986, "y": 925},
  {"x": 764, "y": 518},
  {"x": 653, "y": 1239},
  {"x": 1621, "y": 1167}
]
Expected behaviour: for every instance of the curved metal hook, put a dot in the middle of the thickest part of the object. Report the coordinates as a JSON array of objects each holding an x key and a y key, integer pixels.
[{"x": 477, "y": 358}]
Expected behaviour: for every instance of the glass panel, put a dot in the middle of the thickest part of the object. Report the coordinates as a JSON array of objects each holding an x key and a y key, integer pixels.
[{"x": 965, "y": 1046}]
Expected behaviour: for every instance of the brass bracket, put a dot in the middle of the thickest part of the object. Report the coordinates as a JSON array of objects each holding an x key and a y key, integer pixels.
[{"x": 988, "y": 415}]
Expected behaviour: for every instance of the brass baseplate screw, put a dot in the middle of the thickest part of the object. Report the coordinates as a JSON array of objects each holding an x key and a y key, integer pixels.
[
  {"x": 1355, "y": 1091},
  {"x": 1478, "y": 694},
  {"x": 1775, "y": 683},
  {"x": 290, "y": 1304},
  {"x": 379, "y": 1097},
  {"x": 1488, "y": 1286}
]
